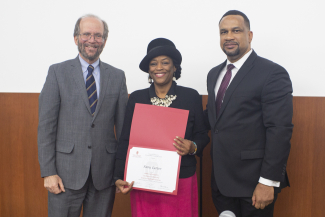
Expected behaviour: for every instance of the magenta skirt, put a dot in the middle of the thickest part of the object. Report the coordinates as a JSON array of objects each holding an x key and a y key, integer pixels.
[{"x": 185, "y": 203}]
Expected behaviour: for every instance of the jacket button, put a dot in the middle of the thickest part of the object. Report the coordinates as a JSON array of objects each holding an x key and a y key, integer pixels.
[
  {"x": 216, "y": 131},
  {"x": 89, "y": 146},
  {"x": 93, "y": 125}
]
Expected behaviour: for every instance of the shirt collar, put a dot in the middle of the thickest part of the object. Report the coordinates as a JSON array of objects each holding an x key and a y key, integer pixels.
[
  {"x": 84, "y": 65},
  {"x": 239, "y": 63},
  {"x": 172, "y": 90}
]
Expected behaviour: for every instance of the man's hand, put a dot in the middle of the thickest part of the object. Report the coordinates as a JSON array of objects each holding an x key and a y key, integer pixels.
[
  {"x": 120, "y": 186},
  {"x": 263, "y": 196},
  {"x": 183, "y": 146},
  {"x": 54, "y": 184}
]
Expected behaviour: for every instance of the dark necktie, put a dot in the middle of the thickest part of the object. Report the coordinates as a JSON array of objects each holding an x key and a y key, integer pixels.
[
  {"x": 223, "y": 87},
  {"x": 91, "y": 89}
]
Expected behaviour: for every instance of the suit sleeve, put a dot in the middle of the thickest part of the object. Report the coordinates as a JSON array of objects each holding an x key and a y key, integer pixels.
[
  {"x": 120, "y": 108},
  {"x": 49, "y": 105},
  {"x": 205, "y": 112},
  {"x": 200, "y": 131},
  {"x": 277, "y": 113},
  {"x": 124, "y": 141}
]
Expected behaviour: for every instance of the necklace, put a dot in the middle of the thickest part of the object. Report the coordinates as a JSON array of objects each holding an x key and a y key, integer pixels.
[{"x": 165, "y": 102}]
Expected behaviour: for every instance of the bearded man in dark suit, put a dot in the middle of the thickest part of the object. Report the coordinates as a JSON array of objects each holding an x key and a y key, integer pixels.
[{"x": 249, "y": 112}]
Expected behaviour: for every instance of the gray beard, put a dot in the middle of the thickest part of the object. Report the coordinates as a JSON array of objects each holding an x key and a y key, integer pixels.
[{"x": 81, "y": 49}]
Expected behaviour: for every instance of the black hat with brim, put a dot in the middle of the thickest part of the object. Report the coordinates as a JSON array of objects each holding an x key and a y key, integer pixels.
[{"x": 158, "y": 47}]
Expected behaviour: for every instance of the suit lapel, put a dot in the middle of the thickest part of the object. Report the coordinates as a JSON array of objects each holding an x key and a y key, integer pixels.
[
  {"x": 80, "y": 82},
  {"x": 242, "y": 72},
  {"x": 211, "y": 93},
  {"x": 104, "y": 77}
]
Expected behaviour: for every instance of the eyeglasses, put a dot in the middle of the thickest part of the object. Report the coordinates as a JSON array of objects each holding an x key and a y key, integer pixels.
[{"x": 87, "y": 36}]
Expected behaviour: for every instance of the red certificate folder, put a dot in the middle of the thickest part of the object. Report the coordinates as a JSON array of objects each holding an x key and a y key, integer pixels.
[{"x": 156, "y": 127}]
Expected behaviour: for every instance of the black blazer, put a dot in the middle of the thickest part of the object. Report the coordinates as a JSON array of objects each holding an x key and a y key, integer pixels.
[
  {"x": 196, "y": 130},
  {"x": 251, "y": 135}
]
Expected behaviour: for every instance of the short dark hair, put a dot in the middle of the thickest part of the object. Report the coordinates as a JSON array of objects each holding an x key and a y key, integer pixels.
[
  {"x": 178, "y": 70},
  {"x": 76, "y": 31},
  {"x": 235, "y": 12}
]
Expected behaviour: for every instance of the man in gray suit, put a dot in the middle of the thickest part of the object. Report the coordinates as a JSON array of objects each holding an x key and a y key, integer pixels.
[{"x": 82, "y": 100}]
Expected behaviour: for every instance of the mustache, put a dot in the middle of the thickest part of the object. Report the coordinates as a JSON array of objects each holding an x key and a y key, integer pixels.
[
  {"x": 91, "y": 45},
  {"x": 230, "y": 43}
]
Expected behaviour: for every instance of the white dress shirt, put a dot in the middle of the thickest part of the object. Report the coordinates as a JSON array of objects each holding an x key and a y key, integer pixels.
[
  {"x": 96, "y": 72},
  {"x": 234, "y": 71}
]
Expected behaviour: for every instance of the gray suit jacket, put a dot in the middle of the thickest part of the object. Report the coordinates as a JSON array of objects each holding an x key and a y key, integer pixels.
[{"x": 70, "y": 139}]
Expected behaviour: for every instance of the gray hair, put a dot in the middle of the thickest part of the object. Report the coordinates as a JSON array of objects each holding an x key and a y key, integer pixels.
[{"x": 77, "y": 26}]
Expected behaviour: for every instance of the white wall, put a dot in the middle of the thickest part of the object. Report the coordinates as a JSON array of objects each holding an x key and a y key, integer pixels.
[{"x": 38, "y": 33}]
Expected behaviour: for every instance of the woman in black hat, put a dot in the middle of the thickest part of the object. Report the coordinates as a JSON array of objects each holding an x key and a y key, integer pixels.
[{"x": 163, "y": 64}]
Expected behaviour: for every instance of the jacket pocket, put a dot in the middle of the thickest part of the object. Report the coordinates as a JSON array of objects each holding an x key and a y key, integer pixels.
[
  {"x": 244, "y": 94},
  {"x": 64, "y": 146},
  {"x": 111, "y": 148},
  {"x": 252, "y": 154}
]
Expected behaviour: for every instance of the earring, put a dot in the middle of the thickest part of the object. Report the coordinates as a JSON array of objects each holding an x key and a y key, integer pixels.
[
  {"x": 174, "y": 77},
  {"x": 149, "y": 79}
]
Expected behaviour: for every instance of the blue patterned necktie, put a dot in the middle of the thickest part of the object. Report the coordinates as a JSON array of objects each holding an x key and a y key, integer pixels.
[{"x": 91, "y": 89}]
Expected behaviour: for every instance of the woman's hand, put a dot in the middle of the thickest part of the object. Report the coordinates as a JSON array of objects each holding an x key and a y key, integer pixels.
[
  {"x": 123, "y": 186},
  {"x": 183, "y": 146}
]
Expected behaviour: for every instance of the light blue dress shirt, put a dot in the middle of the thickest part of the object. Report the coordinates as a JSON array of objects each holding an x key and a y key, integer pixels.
[{"x": 96, "y": 73}]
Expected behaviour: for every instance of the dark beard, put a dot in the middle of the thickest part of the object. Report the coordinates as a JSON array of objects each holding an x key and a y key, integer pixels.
[
  {"x": 231, "y": 54},
  {"x": 81, "y": 49}
]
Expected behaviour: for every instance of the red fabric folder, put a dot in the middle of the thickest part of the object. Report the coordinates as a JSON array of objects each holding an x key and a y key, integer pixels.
[{"x": 156, "y": 127}]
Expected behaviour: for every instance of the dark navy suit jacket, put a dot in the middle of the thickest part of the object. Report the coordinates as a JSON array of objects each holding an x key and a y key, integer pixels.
[{"x": 251, "y": 135}]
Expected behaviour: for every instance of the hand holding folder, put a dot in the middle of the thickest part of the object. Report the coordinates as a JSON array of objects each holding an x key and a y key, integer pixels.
[{"x": 152, "y": 160}]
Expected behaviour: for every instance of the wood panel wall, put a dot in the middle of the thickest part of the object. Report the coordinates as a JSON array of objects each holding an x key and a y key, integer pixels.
[{"x": 21, "y": 187}]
